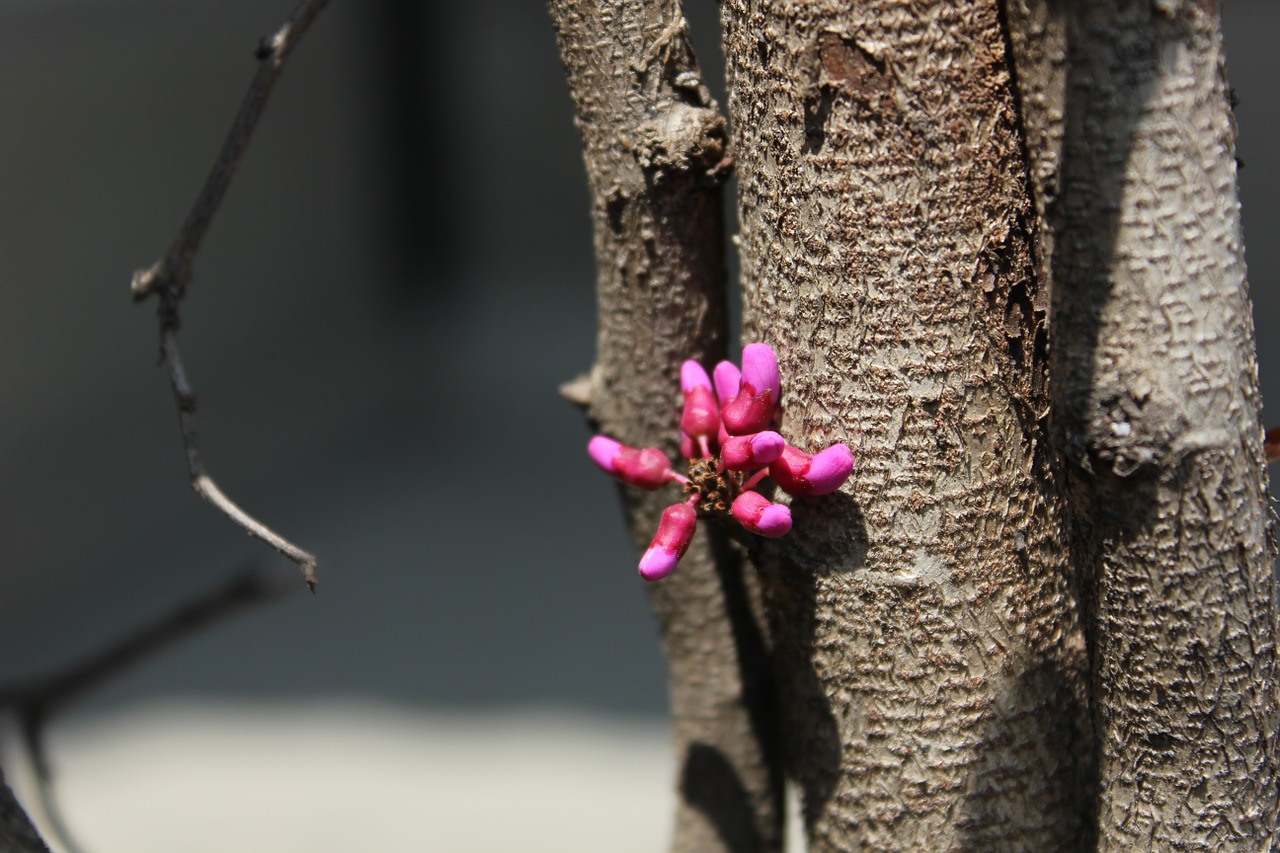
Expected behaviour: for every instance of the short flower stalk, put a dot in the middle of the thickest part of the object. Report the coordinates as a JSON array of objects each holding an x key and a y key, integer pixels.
[{"x": 729, "y": 445}]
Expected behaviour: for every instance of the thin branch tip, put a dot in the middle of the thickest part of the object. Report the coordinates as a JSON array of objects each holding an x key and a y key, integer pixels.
[{"x": 206, "y": 488}]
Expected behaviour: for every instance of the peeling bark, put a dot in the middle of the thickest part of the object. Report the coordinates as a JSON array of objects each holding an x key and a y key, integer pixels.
[
  {"x": 656, "y": 153},
  {"x": 1156, "y": 413},
  {"x": 930, "y": 659}
]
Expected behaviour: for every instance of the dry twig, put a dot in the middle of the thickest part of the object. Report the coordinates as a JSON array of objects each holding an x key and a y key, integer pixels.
[
  {"x": 35, "y": 702},
  {"x": 168, "y": 277}
]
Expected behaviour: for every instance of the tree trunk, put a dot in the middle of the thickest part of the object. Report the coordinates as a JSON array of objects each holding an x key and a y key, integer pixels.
[
  {"x": 656, "y": 154},
  {"x": 1041, "y": 613},
  {"x": 1156, "y": 411},
  {"x": 930, "y": 655}
]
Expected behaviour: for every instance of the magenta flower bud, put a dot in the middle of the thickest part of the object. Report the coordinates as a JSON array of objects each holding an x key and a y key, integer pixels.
[
  {"x": 647, "y": 468},
  {"x": 829, "y": 469},
  {"x": 744, "y": 452},
  {"x": 756, "y": 405},
  {"x": 756, "y": 513},
  {"x": 760, "y": 369},
  {"x": 675, "y": 532},
  {"x": 728, "y": 441},
  {"x": 603, "y": 450},
  {"x": 727, "y": 378},
  {"x": 693, "y": 376},
  {"x": 789, "y": 469},
  {"x": 701, "y": 417},
  {"x": 797, "y": 473}
]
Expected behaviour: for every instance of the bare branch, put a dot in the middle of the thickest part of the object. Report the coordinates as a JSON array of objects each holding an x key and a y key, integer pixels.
[
  {"x": 16, "y": 832},
  {"x": 169, "y": 276},
  {"x": 31, "y": 732},
  {"x": 203, "y": 484},
  {"x": 44, "y": 697},
  {"x": 173, "y": 271},
  {"x": 37, "y": 701}
]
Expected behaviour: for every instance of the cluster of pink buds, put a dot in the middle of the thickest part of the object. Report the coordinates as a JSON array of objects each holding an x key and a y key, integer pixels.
[{"x": 728, "y": 441}]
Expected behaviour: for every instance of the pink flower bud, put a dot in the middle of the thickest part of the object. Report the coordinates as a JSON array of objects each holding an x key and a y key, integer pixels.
[
  {"x": 675, "y": 532},
  {"x": 693, "y": 376},
  {"x": 756, "y": 405},
  {"x": 797, "y": 473},
  {"x": 727, "y": 378},
  {"x": 603, "y": 450},
  {"x": 744, "y": 452},
  {"x": 760, "y": 369},
  {"x": 754, "y": 512},
  {"x": 647, "y": 468},
  {"x": 830, "y": 467},
  {"x": 701, "y": 418}
]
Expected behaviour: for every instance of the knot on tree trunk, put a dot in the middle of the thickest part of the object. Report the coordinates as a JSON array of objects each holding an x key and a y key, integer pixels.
[
  {"x": 1133, "y": 431},
  {"x": 684, "y": 141}
]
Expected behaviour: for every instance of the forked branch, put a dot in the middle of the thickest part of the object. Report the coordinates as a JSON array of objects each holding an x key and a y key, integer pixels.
[
  {"x": 168, "y": 277},
  {"x": 173, "y": 271},
  {"x": 35, "y": 702}
]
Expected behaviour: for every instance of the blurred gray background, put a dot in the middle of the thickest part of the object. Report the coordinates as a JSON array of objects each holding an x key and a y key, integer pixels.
[{"x": 399, "y": 280}]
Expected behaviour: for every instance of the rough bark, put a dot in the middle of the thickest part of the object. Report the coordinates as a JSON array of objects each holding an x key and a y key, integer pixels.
[
  {"x": 930, "y": 657},
  {"x": 1156, "y": 412},
  {"x": 656, "y": 153}
]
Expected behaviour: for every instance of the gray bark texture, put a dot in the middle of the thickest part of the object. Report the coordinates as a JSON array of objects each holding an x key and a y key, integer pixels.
[
  {"x": 1156, "y": 412},
  {"x": 996, "y": 246},
  {"x": 932, "y": 666},
  {"x": 656, "y": 152}
]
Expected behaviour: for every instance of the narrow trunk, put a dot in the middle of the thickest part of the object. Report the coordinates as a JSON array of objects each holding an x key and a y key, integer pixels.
[
  {"x": 1156, "y": 413},
  {"x": 656, "y": 154},
  {"x": 930, "y": 659}
]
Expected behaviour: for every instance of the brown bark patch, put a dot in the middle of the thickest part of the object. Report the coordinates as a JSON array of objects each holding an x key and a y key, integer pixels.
[
  {"x": 847, "y": 65},
  {"x": 847, "y": 71}
]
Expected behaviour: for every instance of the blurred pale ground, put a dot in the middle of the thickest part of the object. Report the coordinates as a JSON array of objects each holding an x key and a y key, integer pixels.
[
  {"x": 323, "y": 776},
  {"x": 479, "y": 670}
]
